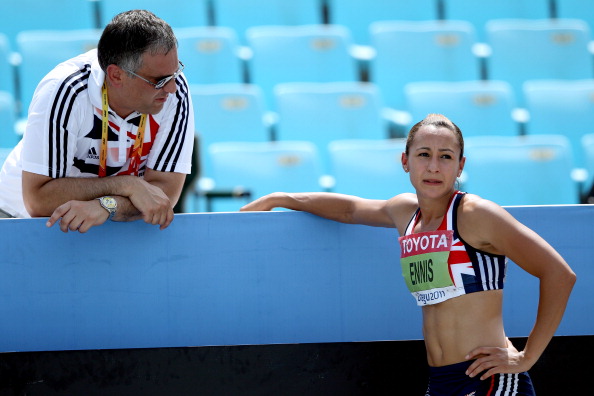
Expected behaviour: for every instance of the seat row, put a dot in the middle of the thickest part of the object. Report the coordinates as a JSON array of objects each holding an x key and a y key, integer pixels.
[
  {"x": 518, "y": 50},
  {"x": 17, "y": 15},
  {"x": 529, "y": 170}
]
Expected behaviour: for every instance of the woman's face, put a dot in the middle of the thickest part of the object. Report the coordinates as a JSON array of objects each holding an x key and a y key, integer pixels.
[{"x": 433, "y": 161}]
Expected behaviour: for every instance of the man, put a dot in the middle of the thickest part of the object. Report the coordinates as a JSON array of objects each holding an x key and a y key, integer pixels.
[{"x": 109, "y": 133}]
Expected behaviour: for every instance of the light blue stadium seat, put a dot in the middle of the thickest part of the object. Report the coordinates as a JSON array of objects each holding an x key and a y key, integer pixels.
[
  {"x": 477, "y": 107},
  {"x": 588, "y": 155},
  {"x": 538, "y": 49},
  {"x": 265, "y": 167},
  {"x": 369, "y": 168},
  {"x": 242, "y": 15},
  {"x": 6, "y": 68},
  {"x": 178, "y": 13},
  {"x": 358, "y": 15},
  {"x": 421, "y": 51},
  {"x": 42, "y": 50},
  {"x": 564, "y": 107},
  {"x": 8, "y": 136},
  {"x": 480, "y": 12},
  {"x": 227, "y": 113},
  {"x": 524, "y": 170},
  {"x": 578, "y": 9},
  {"x": 323, "y": 112},
  {"x": 210, "y": 54},
  {"x": 309, "y": 53},
  {"x": 19, "y": 15}
]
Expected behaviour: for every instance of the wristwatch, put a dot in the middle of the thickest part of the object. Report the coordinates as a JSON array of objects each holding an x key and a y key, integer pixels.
[{"x": 109, "y": 204}]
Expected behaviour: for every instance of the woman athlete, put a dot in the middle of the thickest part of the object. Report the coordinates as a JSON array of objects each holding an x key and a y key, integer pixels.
[{"x": 454, "y": 249}]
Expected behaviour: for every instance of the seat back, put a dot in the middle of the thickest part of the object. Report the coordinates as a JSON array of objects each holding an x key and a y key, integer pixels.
[
  {"x": 6, "y": 69},
  {"x": 477, "y": 107},
  {"x": 265, "y": 167},
  {"x": 421, "y": 51},
  {"x": 242, "y": 15},
  {"x": 576, "y": 9},
  {"x": 210, "y": 55},
  {"x": 538, "y": 49},
  {"x": 43, "y": 50},
  {"x": 369, "y": 168},
  {"x": 564, "y": 107},
  {"x": 20, "y": 15},
  {"x": 588, "y": 156},
  {"x": 358, "y": 15},
  {"x": 227, "y": 113},
  {"x": 180, "y": 13},
  {"x": 525, "y": 170},
  {"x": 323, "y": 112},
  {"x": 312, "y": 53},
  {"x": 480, "y": 12},
  {"x": 8, "y": 136}
]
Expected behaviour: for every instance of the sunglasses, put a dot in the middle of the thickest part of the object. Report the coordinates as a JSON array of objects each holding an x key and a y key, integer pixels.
[{"x": 161, "y": 83}]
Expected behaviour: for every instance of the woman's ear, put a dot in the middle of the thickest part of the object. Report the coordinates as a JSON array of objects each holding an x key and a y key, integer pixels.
[
  {"x": 404, "y": 161},
  {"x": 462, "y": 162}
]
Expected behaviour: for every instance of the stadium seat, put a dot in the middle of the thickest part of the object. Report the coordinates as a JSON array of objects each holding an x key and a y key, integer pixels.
[
  {"x": 227, "y": 113},
  {"x": 180, "y": 13},
  {"x": 242, "y": 15},
  {"x": 6, "y": 68},
  {"x": 480, "y": 12},
  {"x": 477, "y": 107},
  {"x": 323, "y": 112},
  {"x": 311, "y": 53},
  {"x": 8, "y": 136},
  {"x": 42, "y": 50},
  {"x": 265, "y": 167},
  {"x": 577, "y": 9},
  {"x": 588, "y": 155},
  {"x": 561, "y": 107},
  {"x": 19, "y": 15},
  {"x": 524, "y": 170},
  {"x": 538, "y": 49},
  {"x": 420, "y": 51},
  {"x": 358, "y": 15},
  {"x": 369, "y": 168},
  {"x": 210, "y": 54}
]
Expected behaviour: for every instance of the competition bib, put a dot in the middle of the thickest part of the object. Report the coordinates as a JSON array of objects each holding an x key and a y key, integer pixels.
[{"x": 424, "y": 261}]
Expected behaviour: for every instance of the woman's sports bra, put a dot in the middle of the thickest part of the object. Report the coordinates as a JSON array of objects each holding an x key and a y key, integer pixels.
[{"x": 439, "y": 265}]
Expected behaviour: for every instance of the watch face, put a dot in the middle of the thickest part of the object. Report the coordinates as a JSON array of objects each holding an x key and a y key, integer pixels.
[{"x": 109, "y": 202}]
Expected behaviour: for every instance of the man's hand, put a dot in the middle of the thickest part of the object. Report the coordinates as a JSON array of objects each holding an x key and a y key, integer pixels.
[
  {"x": 153, "y": 204},
  {"x": 78, "y": 216}
]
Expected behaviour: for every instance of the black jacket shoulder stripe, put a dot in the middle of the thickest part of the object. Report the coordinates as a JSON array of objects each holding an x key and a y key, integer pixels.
[
  {"x": 65, "y": 90},
  {"x": 175, "y": 137}
]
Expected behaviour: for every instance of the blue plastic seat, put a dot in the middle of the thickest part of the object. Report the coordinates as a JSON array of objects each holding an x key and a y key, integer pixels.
[
  {"x": 227, "y": 113},
  {"x": 323, "y": 112},
  {"x": 8, "y": 136},
  {"x": 358, "y": 15},
  {"x": 480, "y": 12},
  {"x": 266, "y": 167},
  {"x": 421, "y": 51},
  {"x": 180, "y": 13},
  {"x": 43, "y": 50},
  {"x": 577, "y": 9},
  {"x": 477, "y": 107},
  {"x": 210, "y": 54},
  {"x": 538, "y": 49},
  {"x": 19, "y": 15},
  {"x": 588, "y": 155},
  {"x": 369, "y": 168},
  {"x": 312, "y": 53},
  {"x": 7, "y": 76},
  {"x": 564, "y": 107},
  {"x": 524, "y": 170},
  {"x": 242, "y": 15}
]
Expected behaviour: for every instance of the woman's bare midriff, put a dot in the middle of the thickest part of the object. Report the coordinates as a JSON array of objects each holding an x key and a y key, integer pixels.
[{"x": 455, "y": 327}]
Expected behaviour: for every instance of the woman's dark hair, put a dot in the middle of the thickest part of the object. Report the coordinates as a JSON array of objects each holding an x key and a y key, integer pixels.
[{"x": 436, "y": 120}]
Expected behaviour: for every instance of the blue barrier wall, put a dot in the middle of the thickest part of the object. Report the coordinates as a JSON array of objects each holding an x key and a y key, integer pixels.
[{"x": 242, "y": 278}]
